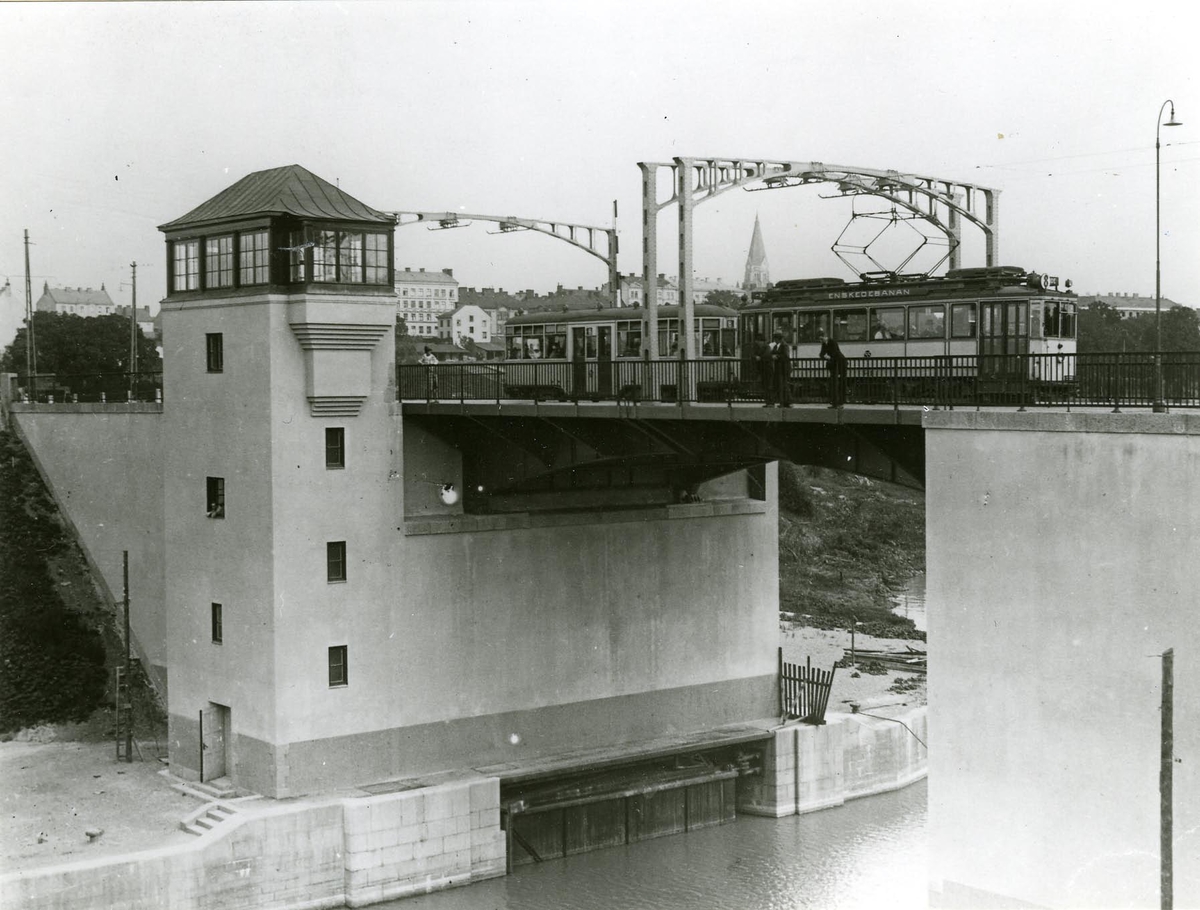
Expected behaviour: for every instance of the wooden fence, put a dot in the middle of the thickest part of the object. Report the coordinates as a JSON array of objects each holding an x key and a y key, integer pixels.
[{"x": 803, "y": 691}]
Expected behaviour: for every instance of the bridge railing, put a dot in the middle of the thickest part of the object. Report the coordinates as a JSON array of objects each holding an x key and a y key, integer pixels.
[
  {"x": 1019, "y": 380},
  {"x": 112, "y": 387}
]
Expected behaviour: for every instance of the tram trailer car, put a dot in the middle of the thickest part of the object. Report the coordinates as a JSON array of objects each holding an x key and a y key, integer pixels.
[
  {"x": 975, "y": 327},
  {"x": 599, "y": 354}
]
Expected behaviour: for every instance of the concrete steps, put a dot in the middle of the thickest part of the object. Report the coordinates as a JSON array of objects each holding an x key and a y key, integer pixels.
[{"x": 206, "y": 818}]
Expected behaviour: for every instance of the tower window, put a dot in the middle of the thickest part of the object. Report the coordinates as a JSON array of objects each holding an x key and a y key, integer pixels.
[
  {"x": 253, "y": 257},
  {"x": 217, "y": 624},
  {"x": 214, "y": 352},
  {"x": 335, "y": 447},
  {"x": 335, "y": 560},
  {"x": 218, "y": 261},
  {"x": 339, "y": 669},
  {"x": 186, "y": 273},
  {"x": 215, "y": 497}
]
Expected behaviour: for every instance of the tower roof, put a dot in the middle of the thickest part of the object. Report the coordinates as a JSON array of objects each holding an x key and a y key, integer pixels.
[
  {"x": 290, "y": 190},
  {"x": 758, "y": 252}
]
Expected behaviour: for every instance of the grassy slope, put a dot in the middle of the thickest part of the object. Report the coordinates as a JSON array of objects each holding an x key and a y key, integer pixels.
[
  {"x": 845, "y": 543},
  {"x": 58, "y": 636}
]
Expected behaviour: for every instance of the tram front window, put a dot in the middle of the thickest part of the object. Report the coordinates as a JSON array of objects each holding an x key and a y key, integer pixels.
[{"x": 810, "y": 326}]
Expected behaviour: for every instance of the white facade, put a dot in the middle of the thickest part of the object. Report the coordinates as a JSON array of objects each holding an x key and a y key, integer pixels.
[
  {"x": 468, "y": 321},
  {"x": 76, "y": 301},
  {"x": 421, "y": 297}
]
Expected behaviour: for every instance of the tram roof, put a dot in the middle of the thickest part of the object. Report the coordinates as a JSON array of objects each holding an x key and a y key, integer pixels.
[
  {"x": 1003, "y": 281},
  {"x": 614, "y": 314}
]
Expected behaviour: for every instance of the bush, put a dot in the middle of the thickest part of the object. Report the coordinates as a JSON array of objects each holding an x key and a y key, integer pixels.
[{"x": 53, "y": 665}]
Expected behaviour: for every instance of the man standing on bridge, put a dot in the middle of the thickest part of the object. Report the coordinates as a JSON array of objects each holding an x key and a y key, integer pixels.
[
  {"x": 837, "y": 369},
  {"x": 777, "y": 371}
]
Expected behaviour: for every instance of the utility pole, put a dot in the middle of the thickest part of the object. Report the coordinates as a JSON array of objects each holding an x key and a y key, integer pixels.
[
  {"x": 30, "y": 345},
  {"x": 133, "y": 334},
  {"x": 1166, "y": 759}
]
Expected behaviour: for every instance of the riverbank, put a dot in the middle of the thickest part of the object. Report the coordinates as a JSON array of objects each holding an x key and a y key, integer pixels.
[{"x": 847, "y": 547}]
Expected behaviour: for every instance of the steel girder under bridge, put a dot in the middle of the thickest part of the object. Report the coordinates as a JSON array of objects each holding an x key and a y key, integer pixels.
[
  {"x": 523, "y": 457},
  {"x": 941, "y": 202}
]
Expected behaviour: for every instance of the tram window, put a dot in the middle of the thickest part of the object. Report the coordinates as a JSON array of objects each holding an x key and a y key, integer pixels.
[
  {"x": 1067, "y": 326},
  {"x": 887, "y": 324},
  {"x": 729, "y": 341},
  {"x": 533, "y": 347},
  {"x": 629, "y": 339},
  {"x": 781, "y": 323},
  {"x": 710, "y": 336},
  {"x": 962, "y": 320},
  {"x": 668, "y": 337},
  {"x": 556, "y": 345},
  {"x": 809, "y": 327},
  {"x": 514, "y": 347},
  {"x": 850, "y": 325},
  {"x": 1050, "y": 319},
  {"x": 927, "y": 321}
]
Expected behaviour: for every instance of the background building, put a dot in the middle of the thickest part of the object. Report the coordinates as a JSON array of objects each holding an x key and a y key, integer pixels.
[
  {"x": 466, "y": 322},
  {"x": 1128, "y": 305},
  {"x": 423, "y": 296},
  {"x": 77, "y": 301}
]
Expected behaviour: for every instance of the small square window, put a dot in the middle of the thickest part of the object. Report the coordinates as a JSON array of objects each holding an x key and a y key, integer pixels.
[
  {"x": 214, "y": 347},
  {"x": 335, "y": 560},
  {"x": 335, "y": 447},
  {"x": 339, "y": 670},
  {"x": 214, "y": 506},
  {"x": 217, "y": 631}
]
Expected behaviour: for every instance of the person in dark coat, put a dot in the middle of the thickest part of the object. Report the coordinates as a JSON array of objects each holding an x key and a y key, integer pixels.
[
  {"x": 781, "y": 371},
  {"x": 766, "y": 371},
  {"x": 836, "y": 363}
]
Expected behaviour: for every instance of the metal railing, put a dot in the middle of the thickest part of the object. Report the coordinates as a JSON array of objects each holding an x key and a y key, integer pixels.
[
  {"x": 1018, "y": 380},
  {"x": 113, "y": 387}
]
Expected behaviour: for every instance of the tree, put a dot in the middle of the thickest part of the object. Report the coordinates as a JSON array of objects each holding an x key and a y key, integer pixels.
[
  {"x": 730, "y": 299},
  {"x": 406, "y": 344},
  {"x": 1102, "y": 329},
  {"x": 70, "y": 345}
]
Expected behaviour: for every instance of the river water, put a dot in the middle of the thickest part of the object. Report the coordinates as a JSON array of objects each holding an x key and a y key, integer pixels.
[
  {"x": 869, "y": 854},
  {"x": 910, "y": 601}
]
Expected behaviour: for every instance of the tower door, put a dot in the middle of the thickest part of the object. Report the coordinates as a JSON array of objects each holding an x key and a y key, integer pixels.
[{"x": 214, "y": 737}]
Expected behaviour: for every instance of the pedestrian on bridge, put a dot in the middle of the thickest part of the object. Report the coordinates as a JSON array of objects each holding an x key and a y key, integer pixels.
[
  {"x": 836, "y": 363},
  {"x": 780, "y": 359},
  {"x": 430, "y": 360}
]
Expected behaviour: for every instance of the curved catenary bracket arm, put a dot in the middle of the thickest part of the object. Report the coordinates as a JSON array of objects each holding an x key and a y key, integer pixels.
[
  {"x": 600, "y": 242},
  {"x": 695, "y": 180}
]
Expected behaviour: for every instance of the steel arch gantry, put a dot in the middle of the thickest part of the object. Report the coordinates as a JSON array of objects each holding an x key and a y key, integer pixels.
[
  {"x": 942, "y": 202},
  {"x": 603, "y": 249}
]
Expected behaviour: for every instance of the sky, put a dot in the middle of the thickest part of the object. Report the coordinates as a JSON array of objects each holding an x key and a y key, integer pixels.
[{"x": 118, "y": 117}]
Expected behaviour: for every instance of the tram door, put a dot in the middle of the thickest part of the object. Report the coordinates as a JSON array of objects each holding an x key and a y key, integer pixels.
[
  {"x": 1003, "y": 336},
  {"x": 592, "y": 361}
]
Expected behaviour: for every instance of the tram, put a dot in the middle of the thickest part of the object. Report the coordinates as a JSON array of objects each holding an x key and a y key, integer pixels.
[
  {"x": 597, "y": 353},
  {"x": 977, "y": 322}
]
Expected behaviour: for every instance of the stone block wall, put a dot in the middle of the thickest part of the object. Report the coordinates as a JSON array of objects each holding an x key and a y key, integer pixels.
[
  {"x": 418, "y": 841},
  {"x": 349, "y": 852},
  {"x": 806, "y": 768}
]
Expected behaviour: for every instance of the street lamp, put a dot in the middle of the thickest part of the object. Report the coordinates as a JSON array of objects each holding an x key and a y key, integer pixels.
[{"x": 1159, "y": 406}]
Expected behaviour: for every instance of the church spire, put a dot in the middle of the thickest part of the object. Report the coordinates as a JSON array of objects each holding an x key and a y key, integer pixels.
[{"x": 758, "y": 273}]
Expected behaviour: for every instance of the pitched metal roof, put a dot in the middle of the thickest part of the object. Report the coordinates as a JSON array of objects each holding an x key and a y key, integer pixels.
[
  {"x": 290, "y": 190},
  {"x": 73, "y": 297}
]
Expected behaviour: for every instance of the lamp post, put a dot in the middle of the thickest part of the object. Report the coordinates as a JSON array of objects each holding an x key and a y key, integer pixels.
[{"x": 1159, "y": 406}]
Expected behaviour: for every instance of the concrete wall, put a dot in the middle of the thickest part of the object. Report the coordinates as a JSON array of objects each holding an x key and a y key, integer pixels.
[
  {"x": 1061, "y": 563},
  {"x": 807, "y": 768},
  {"x": 350, "y": 852},
  {"x": 104, "y": 467}
]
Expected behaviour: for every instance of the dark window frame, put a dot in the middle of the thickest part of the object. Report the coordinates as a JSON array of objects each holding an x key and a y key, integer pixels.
[
  {"x": 214, "y": 352},
  {"x": 335, "y": 448},
  {"x": 254, "y": 257},
  {"x": 219, "y": 261},
  {"x": 218, "y": 623},
  {"x": 339, "y": 666},
  {"x": 185, "y": 253},
  {"x": 335, "y": 561},
  {"x": 214, "y": 497}
]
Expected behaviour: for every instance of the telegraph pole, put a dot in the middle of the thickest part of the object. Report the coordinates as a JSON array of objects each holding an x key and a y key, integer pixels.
[
  {"x": 30, "y": 346},
  {"x": 133, "y": 333},
  {"x": 1166, "y": 758}
]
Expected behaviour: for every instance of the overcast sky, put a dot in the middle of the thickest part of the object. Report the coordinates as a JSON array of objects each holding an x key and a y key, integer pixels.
[{"x": 115, "y": 118}]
